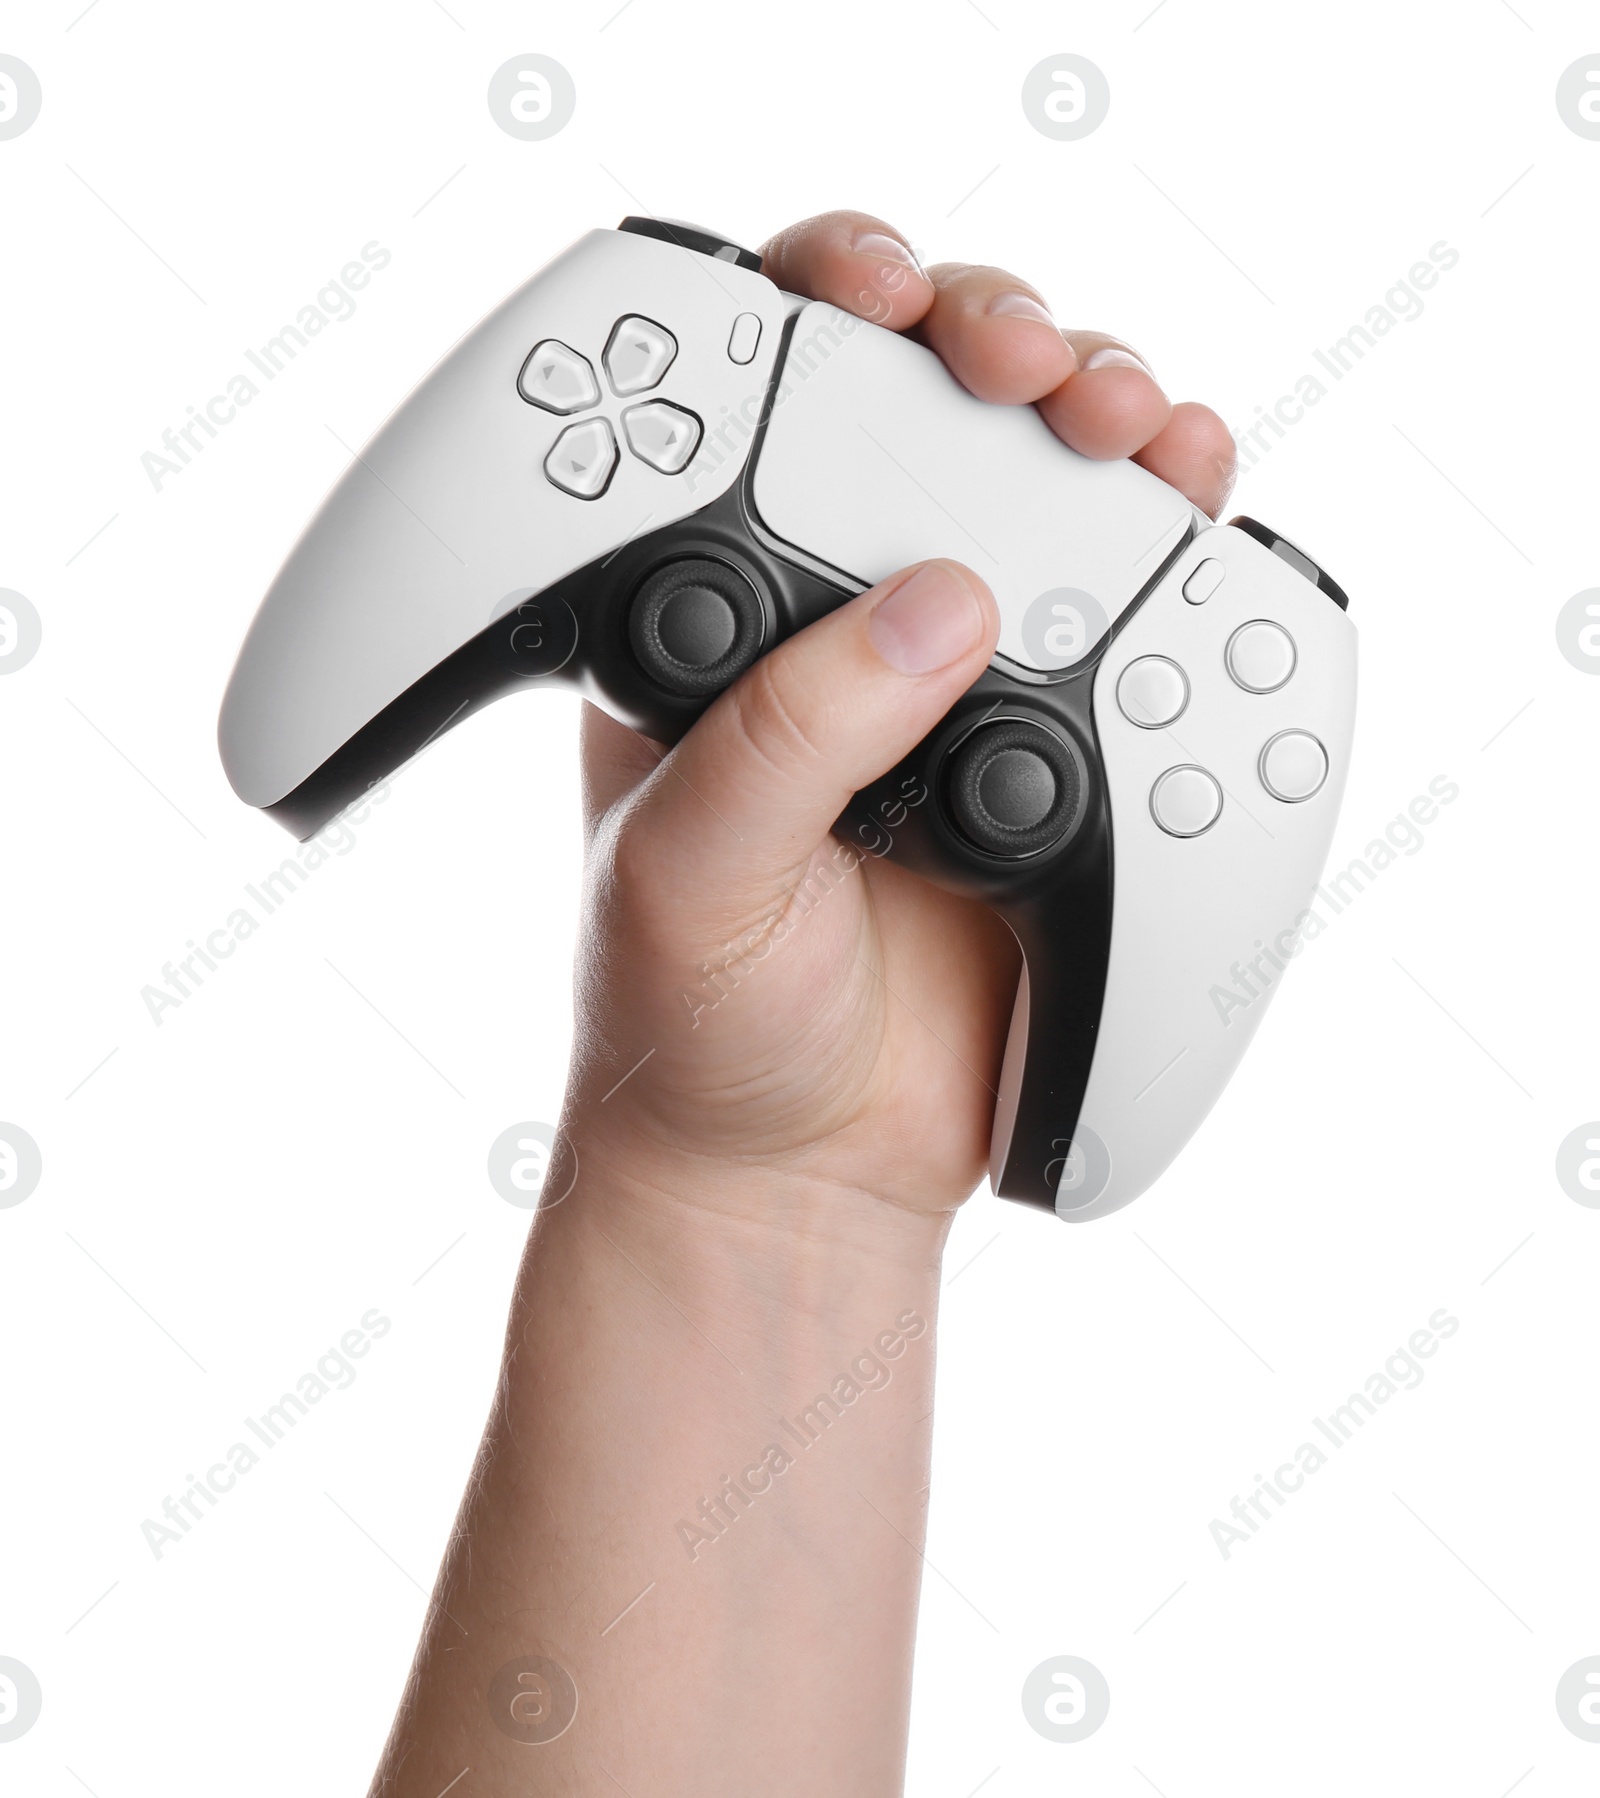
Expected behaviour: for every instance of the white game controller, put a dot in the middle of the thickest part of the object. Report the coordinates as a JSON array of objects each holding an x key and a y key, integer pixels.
[{"x": 649, "y": 465}]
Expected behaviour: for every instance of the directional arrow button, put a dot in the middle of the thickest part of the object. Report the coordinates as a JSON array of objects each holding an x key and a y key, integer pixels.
[
  {"x": 557, "y": 378},
  {"x": 663, "y": 435},
  {"x": 583, "y": 458}
]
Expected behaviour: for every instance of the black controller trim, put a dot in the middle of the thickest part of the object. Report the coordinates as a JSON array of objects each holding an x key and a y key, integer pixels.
[{"x": 576, "y": 633}]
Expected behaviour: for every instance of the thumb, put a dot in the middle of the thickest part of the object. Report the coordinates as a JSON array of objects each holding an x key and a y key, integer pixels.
[{"x": 757, "y": 783}]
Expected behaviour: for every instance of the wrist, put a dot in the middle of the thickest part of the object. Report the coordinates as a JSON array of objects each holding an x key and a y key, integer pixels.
[
  {"x": 820, "y": 1193},
  {"x": 774, "y": 1235}
]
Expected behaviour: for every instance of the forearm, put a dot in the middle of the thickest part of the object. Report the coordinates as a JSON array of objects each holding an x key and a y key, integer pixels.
[{"x": 701, "y": 1492}]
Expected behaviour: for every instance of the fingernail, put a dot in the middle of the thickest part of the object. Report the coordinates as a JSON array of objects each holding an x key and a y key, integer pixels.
[
  {"x": 930, "y": 620},
  {"x": 887, "y": 249},
  {"x": 1020, "y": 305},
  {"x": 1110, "y": 358}
]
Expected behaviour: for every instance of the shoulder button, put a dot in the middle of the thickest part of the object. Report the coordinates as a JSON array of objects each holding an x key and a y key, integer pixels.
[{"x": 693, "y": 237}]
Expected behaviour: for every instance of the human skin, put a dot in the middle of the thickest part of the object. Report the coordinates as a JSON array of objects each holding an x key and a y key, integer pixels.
[{"x": 781, "y": 1092}]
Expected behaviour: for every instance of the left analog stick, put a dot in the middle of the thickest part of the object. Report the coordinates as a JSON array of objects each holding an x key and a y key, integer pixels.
[{"x": 695, "y": 625}]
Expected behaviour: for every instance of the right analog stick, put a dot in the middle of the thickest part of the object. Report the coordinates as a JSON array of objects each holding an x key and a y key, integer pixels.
[{"x": 1012, "y": 788}]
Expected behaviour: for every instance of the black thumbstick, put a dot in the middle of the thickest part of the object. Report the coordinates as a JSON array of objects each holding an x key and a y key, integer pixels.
[
  {"x": 1012, "y": 789},
  {"x": 695, "y": 626}
]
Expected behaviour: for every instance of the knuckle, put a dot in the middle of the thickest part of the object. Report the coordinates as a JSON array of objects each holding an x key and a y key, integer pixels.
[
  {"x": 619, "y": 858},
  {"x": 619, "y": 851},
  {"x": 631, "y": 843},
  {"x": 631, "y": 883},
  {"x": 1090, "y": 343}
]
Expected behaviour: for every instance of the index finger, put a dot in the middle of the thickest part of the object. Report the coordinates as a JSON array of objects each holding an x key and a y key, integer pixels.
[{"x": 853, "y": 261}]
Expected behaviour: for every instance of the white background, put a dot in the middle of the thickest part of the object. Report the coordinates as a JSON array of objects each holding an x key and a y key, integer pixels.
[{"x": 227, "y": 1193}]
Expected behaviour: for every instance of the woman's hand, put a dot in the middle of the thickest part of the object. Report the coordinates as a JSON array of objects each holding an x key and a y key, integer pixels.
[{"x": 771, "y": 1001}]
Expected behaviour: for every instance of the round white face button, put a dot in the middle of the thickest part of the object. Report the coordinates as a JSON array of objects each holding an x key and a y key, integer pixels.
[
  {"x": 639, "y": 354},
  {"x": 664, "y": 436},
  {"x": 582, "y": 458},
  {"x": 1261, "y": 656},
  {"x": 1293, "y": 765},
  {"x": 557, "y": 378},
  {"x": 1186, "y": 802},
  {"x": 1152, "y": 692}
]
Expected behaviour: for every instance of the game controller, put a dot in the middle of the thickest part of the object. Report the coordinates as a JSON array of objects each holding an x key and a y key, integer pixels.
[{"x": 650, "y": 465}]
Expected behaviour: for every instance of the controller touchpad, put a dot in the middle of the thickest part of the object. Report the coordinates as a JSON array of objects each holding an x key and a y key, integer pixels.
[{"x": 876, "y": 456}]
